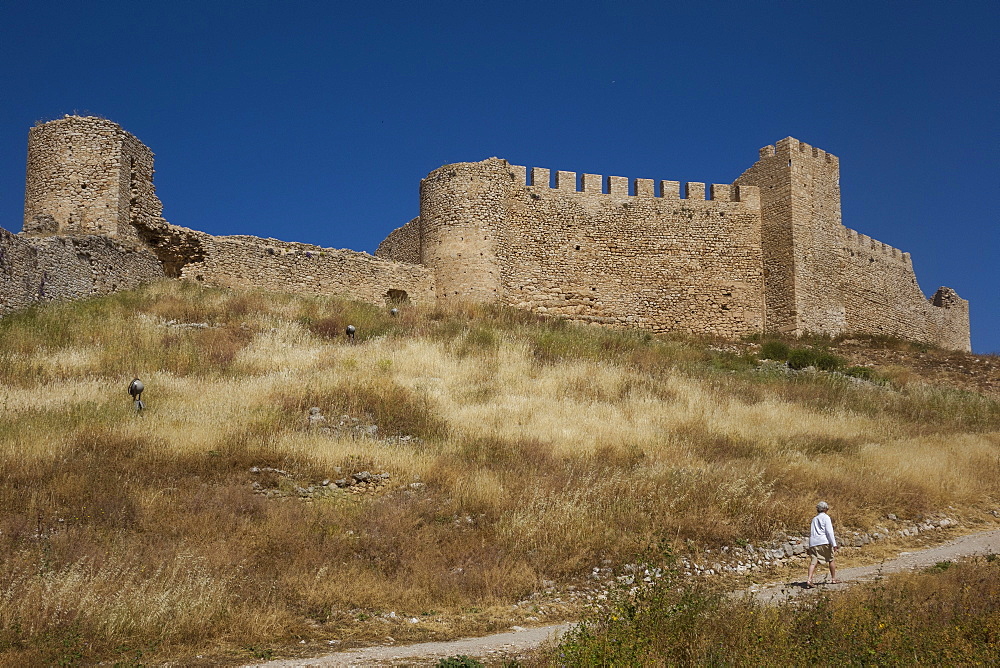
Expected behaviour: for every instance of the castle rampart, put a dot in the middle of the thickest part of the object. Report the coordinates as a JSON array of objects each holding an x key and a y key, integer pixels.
[
  {"x": 765, "y": 253},
  {"x": 403, "y": 243},
  {"x": 62, "y": 267},
  {"x": 659, "y": 262},
  {"x": 252, "y": 263}
]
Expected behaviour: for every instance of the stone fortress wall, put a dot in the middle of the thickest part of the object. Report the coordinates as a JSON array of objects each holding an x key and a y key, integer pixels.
[
  {"x": 69, "y": 267},
  {"x": 826, "y": 278},
  {"x": 651, "y": 260},
  {"x": 766, "y": 253},
  {"x": 403, "y": 243},
  {"x": 93, "y": 224},
  {"x": 250, "y": 262}
]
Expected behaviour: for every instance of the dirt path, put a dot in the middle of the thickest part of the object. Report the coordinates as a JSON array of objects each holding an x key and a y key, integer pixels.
[
  {"x": 518, "y": 640},
  {"x": 986, "y": 542},
  {"x": 428, "y": 653}
]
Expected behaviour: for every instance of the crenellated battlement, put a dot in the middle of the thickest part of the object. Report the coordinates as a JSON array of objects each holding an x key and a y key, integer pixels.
[
  {"x": 621, "y": 186},
  {"x": 790, "y": 147},
  {"x": 854, "y": 241}
]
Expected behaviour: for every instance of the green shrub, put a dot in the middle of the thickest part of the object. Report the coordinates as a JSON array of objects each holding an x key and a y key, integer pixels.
[
  {"x": 864, "y": 373},
  {"x": 459, "y": 661},
  {"x": 774, "y": 350},
  {"x": 725, "y": 361},
  {"x": 800, "y": 358}
]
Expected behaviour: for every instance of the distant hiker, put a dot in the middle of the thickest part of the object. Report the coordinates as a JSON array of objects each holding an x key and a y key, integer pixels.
[
  {"x": 822, "y": 543},
  {"x": 135, "y": 389}
]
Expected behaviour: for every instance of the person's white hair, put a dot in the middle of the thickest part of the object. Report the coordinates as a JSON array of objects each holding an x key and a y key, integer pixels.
[{"x": 822, "y": 507}]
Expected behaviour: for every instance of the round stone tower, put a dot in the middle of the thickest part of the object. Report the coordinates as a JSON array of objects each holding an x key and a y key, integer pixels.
[
  {"x": 462, "y": 214},
  {"x": 86, "y": 175}
]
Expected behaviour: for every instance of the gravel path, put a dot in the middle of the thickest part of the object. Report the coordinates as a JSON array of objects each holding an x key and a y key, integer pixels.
[
  {"x": 498, "y": 645},
  {"x": 986, "y": 542},
  {"x": 509, "y": 644}
]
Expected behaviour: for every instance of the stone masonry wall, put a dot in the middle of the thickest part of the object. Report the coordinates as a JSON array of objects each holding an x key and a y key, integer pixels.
[
  {"x": 19, "y": 276},
  {"x": 659, "y": 262},
  {"x": 824, "y": 278},
  {"x": 768, "y": 253},
  {"x": 87, "y": 175},
  {"x": 250, "y": 262},
  {"x": 663, "y": 263},
  {"x": 69, "y": 267},
  {"x": 402, "y": 244},
  {"x": 881, "y": 296}
]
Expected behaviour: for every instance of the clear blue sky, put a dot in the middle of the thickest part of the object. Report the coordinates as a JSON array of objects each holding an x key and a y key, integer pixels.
[{"x": 315, "y": 121}]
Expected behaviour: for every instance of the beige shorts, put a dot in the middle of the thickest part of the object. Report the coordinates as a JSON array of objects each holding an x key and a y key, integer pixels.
[{"x": 821, "y": 554}]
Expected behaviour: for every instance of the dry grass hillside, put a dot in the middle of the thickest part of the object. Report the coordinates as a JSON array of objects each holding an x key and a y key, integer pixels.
[{"x": 496, "y": 455}]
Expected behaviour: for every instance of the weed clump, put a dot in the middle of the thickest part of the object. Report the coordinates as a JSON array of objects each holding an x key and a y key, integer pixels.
[
  {"x": 801, "y": 358},
  {"x": 396, "y": 410}
]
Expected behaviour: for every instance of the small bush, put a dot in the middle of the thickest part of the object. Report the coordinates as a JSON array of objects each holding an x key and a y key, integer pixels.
[
  {"x": 774, "y": 350},
  {"x": 801, "y": 358},
  {"x": 459, "y": 661},
  {"x": 864, "y": 373},
  {"x": 726, "y": 361}
]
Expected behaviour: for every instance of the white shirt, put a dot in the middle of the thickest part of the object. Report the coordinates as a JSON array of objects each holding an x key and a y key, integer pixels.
[{"x": 821, "y": 531}]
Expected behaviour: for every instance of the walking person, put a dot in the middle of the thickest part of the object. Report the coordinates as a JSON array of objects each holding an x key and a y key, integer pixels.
[{"x": 822, "y": 543}]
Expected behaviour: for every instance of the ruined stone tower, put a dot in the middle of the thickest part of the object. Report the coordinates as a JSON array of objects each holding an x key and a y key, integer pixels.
[
  {"x": 87, "y": 175},
  {"x": 460, "y": 216}
]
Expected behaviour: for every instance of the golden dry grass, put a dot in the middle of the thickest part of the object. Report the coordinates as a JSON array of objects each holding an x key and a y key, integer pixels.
[{"x": 541, "y": 449}]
